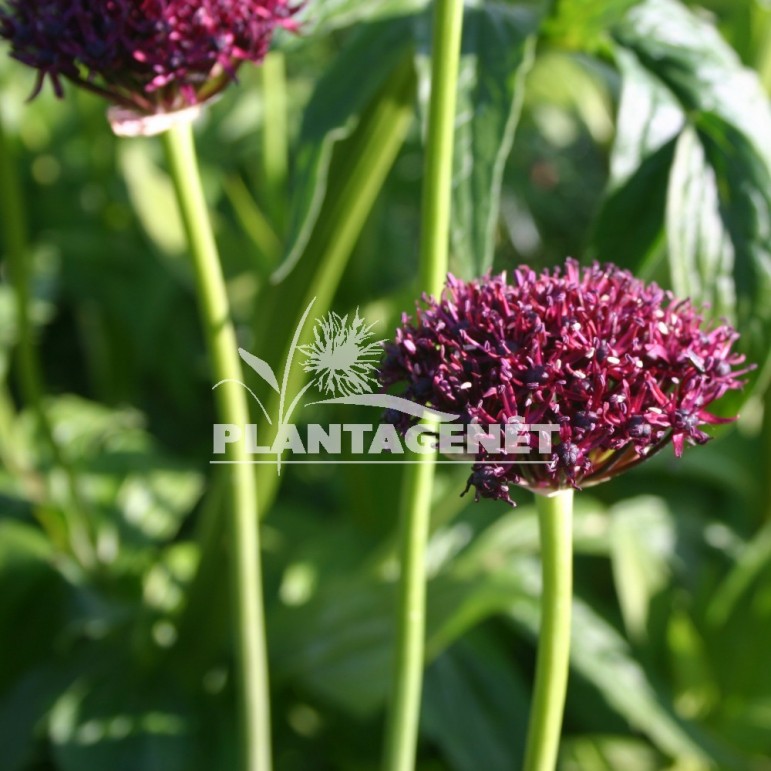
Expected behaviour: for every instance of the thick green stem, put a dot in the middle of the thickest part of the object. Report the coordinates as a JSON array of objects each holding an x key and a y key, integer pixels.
[
  {"x": 404, "y": 715},
  {"x": 555, "y": 517},
  {"x": 440, "y": 143},
  {"x": 14, "y": 236},
  {"x": 232, "y": 408},
  {"x": 403, "y": 719},
  {"x": 275, "y": 150}
]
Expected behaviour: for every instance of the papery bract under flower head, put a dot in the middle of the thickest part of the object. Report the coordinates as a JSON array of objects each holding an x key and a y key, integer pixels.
[
  {"x": 148, "y": 55},
  {"x": 622, "y": 367}
]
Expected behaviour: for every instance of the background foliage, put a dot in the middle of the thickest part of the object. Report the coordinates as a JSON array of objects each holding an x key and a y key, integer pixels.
[{"x": 636, "y": 132}]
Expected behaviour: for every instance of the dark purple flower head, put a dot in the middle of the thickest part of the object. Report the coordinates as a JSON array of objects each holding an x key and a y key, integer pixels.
[
  {"x": 620, "y": 366},
  {"x": 148, "y": 55}
]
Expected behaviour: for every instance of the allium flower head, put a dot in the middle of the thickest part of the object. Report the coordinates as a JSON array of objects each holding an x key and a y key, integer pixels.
[
  {"x": 622, "y": 367},
  {"x": 342, "y": 357},
  {"x": 148, "y": 55}
]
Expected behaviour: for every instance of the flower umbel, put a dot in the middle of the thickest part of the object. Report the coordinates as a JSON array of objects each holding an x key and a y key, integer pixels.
[
  {"x": 622, "y": 367},
  {"x": 342, "y": 358},
  {"x": 147, "y": 55}
]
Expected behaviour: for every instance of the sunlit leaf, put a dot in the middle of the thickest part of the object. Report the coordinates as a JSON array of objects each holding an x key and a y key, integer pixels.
[
  {"x": 608, "y": 753},
  {"x": 719, "y": 200},
  {"x": 642, "y": 548},
  {"x": 630, "y": 228},
  {"x": 583, "y": 24}
]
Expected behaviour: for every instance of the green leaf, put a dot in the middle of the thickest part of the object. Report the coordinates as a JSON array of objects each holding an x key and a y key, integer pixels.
[
  {"x": 608, "y": 753},
  {"x": 497, "y": 52},
  {"x": 755, "y": 557},
  {"x": 693, "y": 681},
  {"x": 342, "y": 94},
  {"x": 123, "y": 723},
  {"x": 339, "y": 644},
  {"x": 32, "y": 613},
  {"x": 629, "y": 229},
  {"x": 719, "y": 201},
  {"x": 140, "y": 494},
  {"x": 27, "y": 573},
  {"x": 475, "y": 705},
  {"x": 582, "y": 24},
  {"x": 642, "y": 548},
  {"x": 700, "y": 249},
  {"x": 152, "y": 197},
  {"x": 24, "y": 706},
  {"x": 323, "y": 16},
  {"x": 602, "y": 656}
]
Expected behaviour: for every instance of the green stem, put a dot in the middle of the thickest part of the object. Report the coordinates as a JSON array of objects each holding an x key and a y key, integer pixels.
[
  {"x": 31, "y": 382},
  {"x": 275, "y": 150},
  {"x": 440, "y": 142},
  {"x": 232, "y": 408},
  {"x": 403, "y": 719},
  {"x": 555, "y": 517}
]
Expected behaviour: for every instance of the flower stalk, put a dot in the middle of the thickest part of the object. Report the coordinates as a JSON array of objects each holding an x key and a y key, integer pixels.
[
  {"x": 404, "y": 715},
  {"x": 275, "y": 150},
  {"x": 555, "y": 519},
  {"x": 249, "y": 623}
]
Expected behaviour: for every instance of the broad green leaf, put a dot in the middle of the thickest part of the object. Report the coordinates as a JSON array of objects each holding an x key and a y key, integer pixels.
[
  {"x": 497, "y": 51},
  {"x": 342, "y": 94},
  {"x": 27, "y": 573},
  {"x": 122, "y": 722},
  {"x": 719, "y": 202},
  {"x": 562, "y": 85},
  {"x": 140, "y": 495},
  {"x": 339, "y": 645},
  {"x": 649, "y": 117},
  {"x": 33, "y": 607},
  {"x": 608, "y": 753},
  {"x": 629, "y": 229},
  {"x": 475, "y": 705},
  {"x": 642, "y": 542},
  {"x": 601, "y": 655},
  {"x": 583, "y": 24},
  {"x": 700, "y": 250},
  {"x": 24, "y": 706}
]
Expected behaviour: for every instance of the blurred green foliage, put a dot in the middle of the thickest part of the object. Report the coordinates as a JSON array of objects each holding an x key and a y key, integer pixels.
[{"x": 628, "y": 131}]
